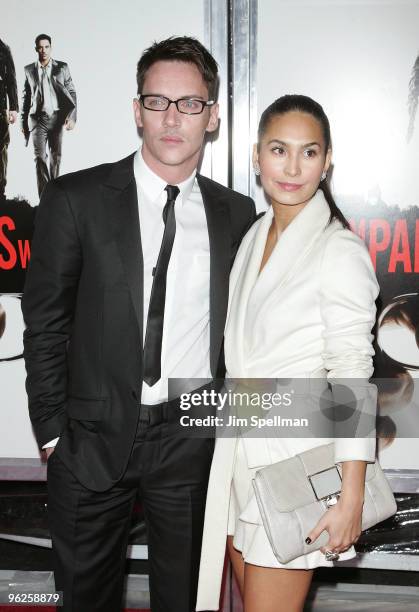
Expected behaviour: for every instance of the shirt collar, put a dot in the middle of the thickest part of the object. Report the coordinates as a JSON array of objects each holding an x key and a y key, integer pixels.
[
  {"x": 48, "y": 66},
  {"x": 153, "y": 186}
]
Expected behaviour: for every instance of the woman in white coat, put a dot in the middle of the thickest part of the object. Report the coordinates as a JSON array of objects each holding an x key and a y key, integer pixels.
[{"x": 302, "y": 305}]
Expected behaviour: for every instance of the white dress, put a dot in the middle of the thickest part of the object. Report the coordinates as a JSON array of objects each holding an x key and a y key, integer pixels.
[{"x": 307, "y": 315}]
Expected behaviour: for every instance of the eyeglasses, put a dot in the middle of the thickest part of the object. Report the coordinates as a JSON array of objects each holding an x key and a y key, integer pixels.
[{"x": 187, "y": 106}]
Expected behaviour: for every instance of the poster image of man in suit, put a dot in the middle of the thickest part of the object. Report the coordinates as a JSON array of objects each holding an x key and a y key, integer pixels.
[
  {"x": 49, "y": 105},
  {"x": 8, "y": 108},
  {"x": 127, "y": 287}
]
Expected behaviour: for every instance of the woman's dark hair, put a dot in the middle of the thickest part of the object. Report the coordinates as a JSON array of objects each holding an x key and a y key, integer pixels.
[
  {"x": 304, "y": 104},
  {"x": 181, "y": 49}
]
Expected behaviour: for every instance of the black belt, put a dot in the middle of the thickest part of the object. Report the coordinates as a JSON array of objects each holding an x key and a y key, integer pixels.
[
  {"x": 168, "y": 412},
  {"x": 159, "y": 413}
]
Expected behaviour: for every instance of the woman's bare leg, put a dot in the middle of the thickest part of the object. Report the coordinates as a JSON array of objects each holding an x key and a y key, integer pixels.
[
  {"x": 237, "y": 563},
  {"x": 268, "y": 589}
]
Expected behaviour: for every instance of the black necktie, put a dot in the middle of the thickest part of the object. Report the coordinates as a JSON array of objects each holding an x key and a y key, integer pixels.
[{"x": 155, "y": 318}]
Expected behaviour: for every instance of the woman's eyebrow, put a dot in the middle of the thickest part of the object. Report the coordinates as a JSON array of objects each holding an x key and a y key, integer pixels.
[{"x": 281, "y": 142}]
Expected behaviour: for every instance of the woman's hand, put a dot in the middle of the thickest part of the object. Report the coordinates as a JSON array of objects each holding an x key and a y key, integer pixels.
[
  {"x": 343, "y": 524},
  {"x": 343, "y": 520}
]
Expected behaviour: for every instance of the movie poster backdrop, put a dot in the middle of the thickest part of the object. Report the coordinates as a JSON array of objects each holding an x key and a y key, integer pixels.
[
  {"x": 360, "y": 60},
  {"x": 100, "y": 41}
]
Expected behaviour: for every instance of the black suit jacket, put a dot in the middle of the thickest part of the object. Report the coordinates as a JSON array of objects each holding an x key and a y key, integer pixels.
[
  {"x": 83, "y": 307},
  {"x": 8, "y": 87}
]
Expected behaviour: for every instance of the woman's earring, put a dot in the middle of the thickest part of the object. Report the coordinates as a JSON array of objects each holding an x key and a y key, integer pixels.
[
  {"x": 256, "y": 168},
  {"x": 324, "y": 175}
]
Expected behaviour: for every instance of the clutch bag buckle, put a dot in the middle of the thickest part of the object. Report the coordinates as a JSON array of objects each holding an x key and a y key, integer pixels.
[{"x": 326, "y": 485}]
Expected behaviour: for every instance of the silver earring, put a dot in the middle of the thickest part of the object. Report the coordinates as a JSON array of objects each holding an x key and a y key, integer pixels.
[
  {"x": 323, "y": 176},
  {"x": 256, "y": 169}
]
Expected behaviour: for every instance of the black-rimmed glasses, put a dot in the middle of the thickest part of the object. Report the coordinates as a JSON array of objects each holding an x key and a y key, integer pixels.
[{"x": 187, "y": 106}]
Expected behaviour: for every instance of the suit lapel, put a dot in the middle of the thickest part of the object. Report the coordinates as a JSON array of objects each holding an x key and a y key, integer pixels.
[
  {"x": 120, "y": 194},
  {"x": 295, "y": 242},
  {"x": 250, "y": 272},
  {"x": 218, "y": 223},
  {"x": 290, "y": 253},
  {"x": 243, "y": 279},
  {"x": 54, "y": 69},
  {"x": 35, "y": 74}
]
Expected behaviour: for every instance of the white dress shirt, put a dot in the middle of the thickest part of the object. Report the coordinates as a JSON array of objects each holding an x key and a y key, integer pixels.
[
  {"x": 186, "y": 334},
  {"x": 50, "y": 103}
]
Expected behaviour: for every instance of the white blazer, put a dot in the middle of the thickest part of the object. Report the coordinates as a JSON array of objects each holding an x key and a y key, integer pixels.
[{"x": 308, "y": 314}]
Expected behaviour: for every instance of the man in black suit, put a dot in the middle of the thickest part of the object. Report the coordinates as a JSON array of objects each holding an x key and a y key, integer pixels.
[
  {"x": 49, "y": 104},
  {"x": 8, "y": 109},
  {"x": 127, "y": 287}
]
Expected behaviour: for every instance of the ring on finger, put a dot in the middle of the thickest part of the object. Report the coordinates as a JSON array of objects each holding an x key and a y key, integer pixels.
[{"x": 331, "y": 555}]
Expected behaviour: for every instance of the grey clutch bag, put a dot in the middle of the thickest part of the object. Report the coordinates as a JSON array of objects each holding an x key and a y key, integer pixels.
[{"x": 293, "y": 494}]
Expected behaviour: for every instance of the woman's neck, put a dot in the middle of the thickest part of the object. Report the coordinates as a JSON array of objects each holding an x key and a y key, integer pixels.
[{"x": 284, "y": 214}]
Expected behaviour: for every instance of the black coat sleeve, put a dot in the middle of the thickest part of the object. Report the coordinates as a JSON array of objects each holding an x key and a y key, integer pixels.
[
  {"x": 10, "y": 78},
  {"x": 26, "y": 104},
  {"x": 48, "y": 306}
]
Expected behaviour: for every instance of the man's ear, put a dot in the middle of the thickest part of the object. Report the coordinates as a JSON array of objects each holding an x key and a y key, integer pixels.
[
  {"x": 137, "y": 112},
  {"x": 213, "y": 118}
]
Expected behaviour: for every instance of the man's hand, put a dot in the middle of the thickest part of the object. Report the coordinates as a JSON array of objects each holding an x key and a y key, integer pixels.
[
  {"x": 12, "y": 116},
  {"x": 69, "y": 124}
]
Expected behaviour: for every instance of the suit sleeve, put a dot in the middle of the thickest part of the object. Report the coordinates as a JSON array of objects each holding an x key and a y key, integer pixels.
[
  {"x": 48, "y": 306},
  {"x": 349, "y": 289},
  {"x": 68, "y": 82},
  {"x": 11, "y": 82}
]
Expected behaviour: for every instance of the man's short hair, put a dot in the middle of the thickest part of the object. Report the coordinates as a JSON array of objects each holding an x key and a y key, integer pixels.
[
  {"x": 42, "y": 37},
  {"x": 181, "y": 49}
]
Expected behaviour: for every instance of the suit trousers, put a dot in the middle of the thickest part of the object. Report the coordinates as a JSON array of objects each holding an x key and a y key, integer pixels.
[
  {"x": 90, "y": 530},
  {"x": 4, "y": 143},
  {"x": 48, "y": 131}
]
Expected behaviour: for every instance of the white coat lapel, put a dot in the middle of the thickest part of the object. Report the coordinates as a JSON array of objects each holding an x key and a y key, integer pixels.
[
  {"x": 242, "y": 280},
  {"x": 292, "y": 248}
]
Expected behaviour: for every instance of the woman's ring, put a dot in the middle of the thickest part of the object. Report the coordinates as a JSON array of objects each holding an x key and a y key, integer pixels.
[{"x": 331, "y": 555}]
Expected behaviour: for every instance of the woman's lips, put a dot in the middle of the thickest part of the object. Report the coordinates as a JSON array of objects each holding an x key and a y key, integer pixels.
[{"x": 289, "y": 186}]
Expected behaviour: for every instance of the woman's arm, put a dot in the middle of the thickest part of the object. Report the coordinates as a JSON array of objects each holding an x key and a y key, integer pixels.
[
  {"x": 348, "y": 293},
  {"x": 353, "y": 483},
  {"x": 348, "y": 290}
]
